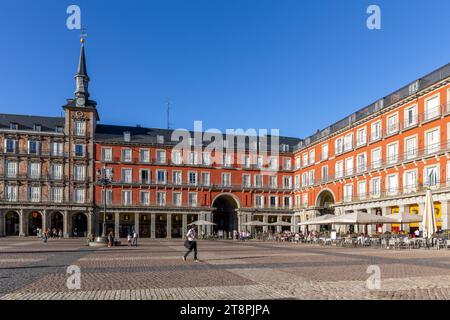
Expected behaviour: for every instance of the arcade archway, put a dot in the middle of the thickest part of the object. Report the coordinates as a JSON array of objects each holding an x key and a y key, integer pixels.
[
  {"x": 324, "y": 203},
  {"x": 79, "y": 225},
  {"x": 12, "y": 224},
  {"x": 34, "y": 222},
  {"x": 224, "y": 214}
]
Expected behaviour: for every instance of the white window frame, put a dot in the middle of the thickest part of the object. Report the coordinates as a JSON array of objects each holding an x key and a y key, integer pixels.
[
  {"x": 392, "y": 127},
  {"x": 379, "y": 132},
  {"x": 408, "y": 121},
  {"x": 361, "y": 137},
  {"x": 144, "y": 155},
  {"x": 107, "y": 154},
  {"x": 411, "y": 154},
  {"x": 434, "y": 147},
  {"x": 376, "y": 164}
]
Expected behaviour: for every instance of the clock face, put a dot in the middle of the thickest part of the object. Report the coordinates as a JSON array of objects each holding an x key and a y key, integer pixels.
[{"x": 80, "y": 101}]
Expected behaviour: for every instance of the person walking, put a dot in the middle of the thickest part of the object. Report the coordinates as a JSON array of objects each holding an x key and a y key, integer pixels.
[
  {"x": 110, "y": 239},
  {"x": 135, "y": 239},
  {"x": 45, "y": 236},
  {"x": 129, "y": 239},
  {"x": 191, "y": 243}
]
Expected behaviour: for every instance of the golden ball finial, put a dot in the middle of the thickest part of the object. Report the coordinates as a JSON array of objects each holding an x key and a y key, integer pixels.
[{"x": 82, "y": 40}]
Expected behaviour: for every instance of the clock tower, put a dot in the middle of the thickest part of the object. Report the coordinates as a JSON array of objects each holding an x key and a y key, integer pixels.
[{"x": 80, "y": 122}]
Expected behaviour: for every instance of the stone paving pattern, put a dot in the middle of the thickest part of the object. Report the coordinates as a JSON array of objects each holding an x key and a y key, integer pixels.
[{"x": 30, "y": 269}]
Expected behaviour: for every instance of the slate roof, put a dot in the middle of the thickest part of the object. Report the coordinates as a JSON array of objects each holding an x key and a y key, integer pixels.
[
  {"x": 141, "y": 135},
  {"x": 27, "y": 122}
]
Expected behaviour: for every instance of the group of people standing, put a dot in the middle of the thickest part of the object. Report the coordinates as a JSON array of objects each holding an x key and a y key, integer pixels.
[{"x": 49, "y": 233}]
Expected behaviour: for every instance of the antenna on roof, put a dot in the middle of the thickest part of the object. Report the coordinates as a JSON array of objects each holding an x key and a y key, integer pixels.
[{"x": 168, "y": 113}]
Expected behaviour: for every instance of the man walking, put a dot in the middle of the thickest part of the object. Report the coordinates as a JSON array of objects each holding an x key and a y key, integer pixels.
[
  {"x": 135, "y": 239},
  {"x": 191, "y": 243}
]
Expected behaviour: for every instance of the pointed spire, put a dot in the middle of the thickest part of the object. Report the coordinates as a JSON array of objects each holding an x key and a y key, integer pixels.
[
  {"x": 81, "y": 78},
  {"x": 82, "y": 62}
]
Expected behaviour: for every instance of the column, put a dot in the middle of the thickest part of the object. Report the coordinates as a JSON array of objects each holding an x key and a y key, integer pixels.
[
  {"x": 45, "y": 220},
  {"x": 169, "y": 226},
  {"x": 116, "y": 225},
  {"x": 2, "y": 223},
  {"x": 184, "y": 225},
  {"x": 371, "y": 229},
  {"x": 66, "y": 224},
  {"x": 97, "y": 223},
  {"x": 384, "y": 212},
  {"x": 90, "y": 223},
  {"x": 152, "y": 226},
  {"x": 136, "y": 223},
  {"x": 445, "y": 215},
  {"x": 23, "y": 223},
  {"x": 265, "y": 220},
  {"x": 402, "y": 210},
  {"x": 278, "y": 227},
  {"x": 421, "y": 211},
  {"x": 209, "y": 228}
]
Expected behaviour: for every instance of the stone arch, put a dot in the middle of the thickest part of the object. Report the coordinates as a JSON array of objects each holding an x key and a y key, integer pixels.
[
  {"x": 79, "y": 224},
  {"x": 227, "y": 194},
  {"x": 325, "y": 196},
  {"x": 225, "y": 216},
  {"x": 57, "y": 220},
  {"x": 12, "y": 223},
  {"x": 35, "y": 221}
]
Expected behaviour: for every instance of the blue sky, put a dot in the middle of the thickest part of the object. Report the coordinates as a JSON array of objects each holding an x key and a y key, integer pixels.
[{"x": 294, "y": 65}]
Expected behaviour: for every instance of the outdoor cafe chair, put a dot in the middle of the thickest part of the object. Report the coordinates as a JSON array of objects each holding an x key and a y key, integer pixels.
[
  {"x": 440, "y": 243},
  {"x": 392, "y": 243}
]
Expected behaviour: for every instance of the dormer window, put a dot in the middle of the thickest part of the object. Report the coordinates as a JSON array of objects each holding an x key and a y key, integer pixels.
[
  {"x": 160, "y": 139},
  {"x": 127, "y": 136},
  {"x": 37, "y": 127},
  {"x": 59, "y": 129},
  {"x": 13, "y": 126}
]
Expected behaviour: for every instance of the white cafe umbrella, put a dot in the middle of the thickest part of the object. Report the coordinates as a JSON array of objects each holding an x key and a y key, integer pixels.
[
  {"x": 317, "y": 220},
  {"x": 429, "y": 219},
  {"x": 405, "y": 217},
  {"x": 364, "y": 218},
  {"x": 281, "y": 223},
  {"x": 255, "y": 223},
  {"x": 202, "y": 223},
  {"x": 361, "y": 218}
]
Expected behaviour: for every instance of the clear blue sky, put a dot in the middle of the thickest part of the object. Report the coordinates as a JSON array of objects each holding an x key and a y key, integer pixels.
[{"x": 294, "y": 65}]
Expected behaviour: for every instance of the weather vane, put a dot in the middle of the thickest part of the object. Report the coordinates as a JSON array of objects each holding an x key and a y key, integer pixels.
[{"x": 83, "y": 34}]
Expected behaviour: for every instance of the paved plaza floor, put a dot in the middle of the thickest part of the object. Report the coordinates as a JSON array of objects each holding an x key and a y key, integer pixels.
[{"x": 31, "y": 269}]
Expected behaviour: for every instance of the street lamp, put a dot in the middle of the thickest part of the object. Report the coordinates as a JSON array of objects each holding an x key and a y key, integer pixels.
[{"x": 104, "y": 178}]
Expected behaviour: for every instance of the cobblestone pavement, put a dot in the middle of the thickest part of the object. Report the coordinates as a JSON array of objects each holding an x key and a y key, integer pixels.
[{"x": 30, "y": 269}]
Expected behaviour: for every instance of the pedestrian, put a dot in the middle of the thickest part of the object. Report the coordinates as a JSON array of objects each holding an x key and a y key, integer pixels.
[
  {"x": 135, "y": 238},
  {"x": 191, "y": 243},
  {"x": 60, "y": 234},
  {"x": 129, "y": 239},
  {"x": 110, "y": 239},
  {"x": 45, "y": 236}
]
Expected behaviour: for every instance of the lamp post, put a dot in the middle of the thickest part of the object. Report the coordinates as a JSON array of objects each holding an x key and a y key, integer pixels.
[{"x": 104, "y": 178}]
